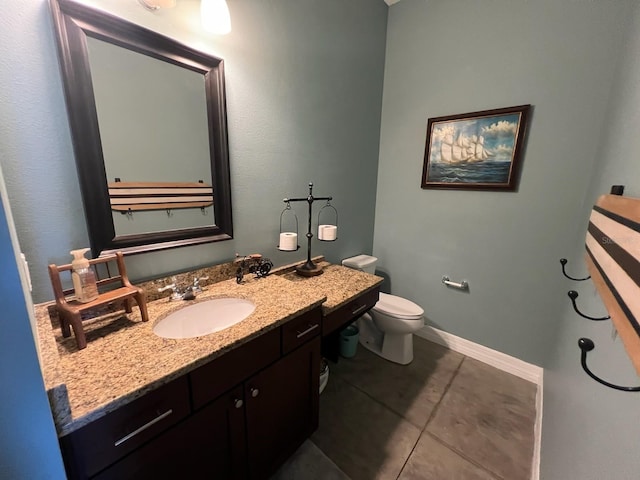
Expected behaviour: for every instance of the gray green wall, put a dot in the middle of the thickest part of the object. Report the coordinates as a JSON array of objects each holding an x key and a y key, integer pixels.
[
  {"x": 304, "y": 91},
  {"x": 590, "y": 431},
  {"x": 447, "y": 57}
]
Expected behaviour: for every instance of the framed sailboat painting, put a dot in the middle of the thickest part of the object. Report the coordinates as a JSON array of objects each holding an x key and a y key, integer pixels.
[{"x": 478, "y": 150}]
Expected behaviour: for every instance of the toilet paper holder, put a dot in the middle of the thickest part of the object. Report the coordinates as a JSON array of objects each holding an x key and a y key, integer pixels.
[
  {"x": 293, "y": 212},
  {"x": 329, "y": 224},
  {"x": 463, "y": 285},
  {"x": 308, "y": 269}
]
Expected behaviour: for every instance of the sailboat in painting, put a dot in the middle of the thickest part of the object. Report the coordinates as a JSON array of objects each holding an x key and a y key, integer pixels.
[{"x": 464, "y": 149}]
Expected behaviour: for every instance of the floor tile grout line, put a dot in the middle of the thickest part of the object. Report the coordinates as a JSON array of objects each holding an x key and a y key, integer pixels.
[
  {"x": 400, "y": 414},
  {"x": 404, "y": 464},
  {"x": 445, "y": 444},
  {"x": 422, "y": 431},
  {"x": 444, "y": 393},
  {"x": 463, "y": 456}
]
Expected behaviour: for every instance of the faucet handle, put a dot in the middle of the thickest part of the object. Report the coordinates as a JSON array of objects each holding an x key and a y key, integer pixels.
[
  {"x": 175, "y": 295},
  {"x": 196, "y": 283},
  {"x": 171, "y": 286}
]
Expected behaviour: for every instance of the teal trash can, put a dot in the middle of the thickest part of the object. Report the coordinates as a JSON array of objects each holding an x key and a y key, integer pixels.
[{"x": 349, "y": 341}]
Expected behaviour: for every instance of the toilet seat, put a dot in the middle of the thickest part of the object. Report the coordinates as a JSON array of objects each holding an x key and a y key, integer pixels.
[{"x": 398, "y": 307}]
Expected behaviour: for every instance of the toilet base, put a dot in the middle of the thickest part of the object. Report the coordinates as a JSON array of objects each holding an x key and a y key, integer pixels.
[{"x": 397, "y": 348}]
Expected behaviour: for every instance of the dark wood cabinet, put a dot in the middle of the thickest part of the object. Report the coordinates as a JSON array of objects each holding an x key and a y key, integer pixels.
[
  {"x": 99, "y": 444},
  {"x": 338, "y": 319},
  {"x": 207, "y": 445},
  {"x": 282, "y": 408},
  {"x": 350, "y": 311},
  {"x": 239, "y": 416}
]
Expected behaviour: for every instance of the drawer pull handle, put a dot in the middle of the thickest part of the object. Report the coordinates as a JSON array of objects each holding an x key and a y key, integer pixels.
[
  {"x": 255, "y": 392},
  {"x": 238, "y": 403},
  {"x": 143, "y": 427},
  {"x": 359, "y": 309},
  {"x": 308, "y": 330}
]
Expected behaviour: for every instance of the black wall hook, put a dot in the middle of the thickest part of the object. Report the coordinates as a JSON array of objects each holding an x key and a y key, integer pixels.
[
  {"x": 564, "y": 261},
  {"x": 586, "y": 345},
  {"x": 573, "y": 295}
]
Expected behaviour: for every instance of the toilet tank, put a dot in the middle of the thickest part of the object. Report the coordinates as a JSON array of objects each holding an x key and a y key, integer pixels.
[{"x": 366, "y": 263}]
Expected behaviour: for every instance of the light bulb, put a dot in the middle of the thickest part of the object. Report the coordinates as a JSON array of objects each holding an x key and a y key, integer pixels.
[{"x": 215, "y": 17}]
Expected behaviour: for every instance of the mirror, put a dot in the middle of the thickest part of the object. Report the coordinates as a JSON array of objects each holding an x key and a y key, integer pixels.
[{"x": 148, "y": 123}]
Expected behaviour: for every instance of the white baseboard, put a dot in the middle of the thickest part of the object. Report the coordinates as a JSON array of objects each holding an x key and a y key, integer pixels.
[
  {"x": 501, "y": 361},
  {"x": 535, "y": 464}
]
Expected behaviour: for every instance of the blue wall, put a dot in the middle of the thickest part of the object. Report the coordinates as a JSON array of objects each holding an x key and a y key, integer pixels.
[{"x": 28, "y": 443}]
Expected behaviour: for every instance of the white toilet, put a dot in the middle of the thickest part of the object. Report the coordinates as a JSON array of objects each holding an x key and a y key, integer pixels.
[{"x": 388, "y": 328}]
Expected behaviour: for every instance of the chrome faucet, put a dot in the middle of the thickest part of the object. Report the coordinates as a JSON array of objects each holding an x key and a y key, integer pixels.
[{"x": 188, "y": 293}]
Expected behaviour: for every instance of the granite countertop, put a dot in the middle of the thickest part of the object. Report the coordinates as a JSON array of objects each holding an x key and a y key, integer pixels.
[{"x": 124, "y": 359}]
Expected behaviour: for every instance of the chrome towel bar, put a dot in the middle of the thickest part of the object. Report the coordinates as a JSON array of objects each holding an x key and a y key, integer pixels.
[{"x": 463, "y": 285}]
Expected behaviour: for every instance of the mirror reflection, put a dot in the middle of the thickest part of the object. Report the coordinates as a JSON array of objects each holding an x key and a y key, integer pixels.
[
  {"x": 148, "y": 123},
  {"x": 142, "y": 144}
]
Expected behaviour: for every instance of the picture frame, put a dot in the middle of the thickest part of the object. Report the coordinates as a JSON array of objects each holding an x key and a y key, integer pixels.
[{"x": 477, "y": 150}]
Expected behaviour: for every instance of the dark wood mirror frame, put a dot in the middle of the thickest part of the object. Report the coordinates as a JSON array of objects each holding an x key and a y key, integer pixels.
[{"x": 73, "y": 23}]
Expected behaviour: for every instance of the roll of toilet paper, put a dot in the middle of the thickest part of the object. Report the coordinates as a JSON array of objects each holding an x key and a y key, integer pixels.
[
  {"x": 329, "y": 233},
  {"x": 288, "y": 241},
  {"x": 321, "y": 231}
]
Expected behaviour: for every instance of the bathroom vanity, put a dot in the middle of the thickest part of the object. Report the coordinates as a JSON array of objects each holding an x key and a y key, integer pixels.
[{"x": 232, "y": 404}]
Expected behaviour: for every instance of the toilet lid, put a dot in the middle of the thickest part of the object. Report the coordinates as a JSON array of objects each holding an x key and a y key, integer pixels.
[{"x": 398, "y": 307}]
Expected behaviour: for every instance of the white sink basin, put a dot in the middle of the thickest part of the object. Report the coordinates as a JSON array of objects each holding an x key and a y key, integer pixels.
[{"x": 204, "y": 318}]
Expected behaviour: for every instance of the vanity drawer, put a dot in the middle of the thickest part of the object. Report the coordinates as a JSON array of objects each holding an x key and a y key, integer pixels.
[
  {"x": 216, "y": 377},
  {"x": 349, "y": 312},
  {"x": 106, "y": 440},
  {"x": 301, "y": 329}
]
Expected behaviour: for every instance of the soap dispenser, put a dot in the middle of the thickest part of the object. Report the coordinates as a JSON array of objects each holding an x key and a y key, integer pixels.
[{"x": 84, "y": 280}]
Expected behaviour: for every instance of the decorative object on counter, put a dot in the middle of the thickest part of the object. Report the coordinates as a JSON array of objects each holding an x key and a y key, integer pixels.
[
  {"x": 586, "y": 345},
  {"x": 82, "y": 277},
  {"x": 257, "y": 264},
  {"x": 183, "y": 293},
  {"x": 328, "y": 232},
  {"x": 478, "y": 150},
  {"x": 288, "y": 240},
  {"x": 563, "y": 262},
  {"x": 71, "y": 310},
  {"x": 463, "y": 285},
  {"x": 308, "y": 269},
  {"x": 127, "y": 197}
]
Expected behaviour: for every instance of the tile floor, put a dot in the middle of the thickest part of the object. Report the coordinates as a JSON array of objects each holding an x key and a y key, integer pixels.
[{"x": 444, "y": 416}]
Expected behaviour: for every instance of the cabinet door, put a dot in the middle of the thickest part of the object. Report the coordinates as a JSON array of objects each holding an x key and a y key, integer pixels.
[
  {"x": 208, "y": 444},
  {"x": 282, "y": 408}
]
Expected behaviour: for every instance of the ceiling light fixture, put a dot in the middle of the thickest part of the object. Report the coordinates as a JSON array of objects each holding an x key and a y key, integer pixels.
[{"x": 214, "y": 15}]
